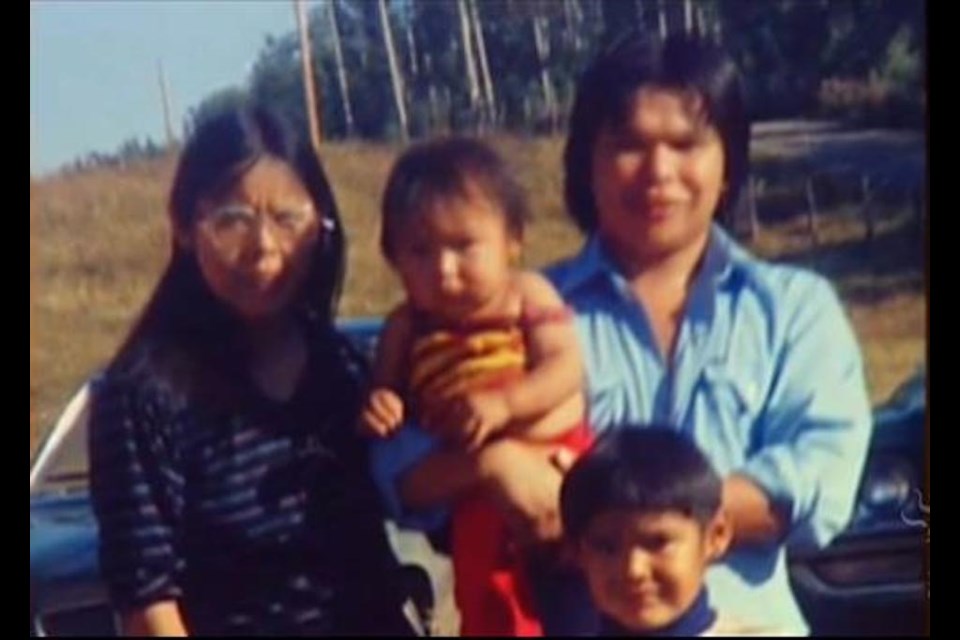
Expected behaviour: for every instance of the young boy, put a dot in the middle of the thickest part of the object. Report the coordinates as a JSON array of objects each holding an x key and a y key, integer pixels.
[{"x": 642, "y": 511}]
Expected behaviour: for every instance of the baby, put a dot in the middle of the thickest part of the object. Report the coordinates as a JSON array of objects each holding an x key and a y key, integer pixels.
[{"x": 478, "y": 350}]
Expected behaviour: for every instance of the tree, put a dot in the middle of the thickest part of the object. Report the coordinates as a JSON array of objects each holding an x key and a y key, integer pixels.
[
  {"x": 212, "y": 104},
  {"x": 468, "y": 58},
  {"x": 490, "y": 98},
  {"x": 276, "y": 79},
  {"x": 515, "y": 63},
  {"x": 396, "y": 76},
  {"x": 341, "y": 68}
]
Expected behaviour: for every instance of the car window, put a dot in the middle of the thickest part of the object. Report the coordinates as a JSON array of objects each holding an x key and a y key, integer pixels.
[{"x": 69, "y": 465}]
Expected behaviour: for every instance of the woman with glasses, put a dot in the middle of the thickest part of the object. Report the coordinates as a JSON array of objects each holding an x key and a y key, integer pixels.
[{"x": 230, "y": 488}]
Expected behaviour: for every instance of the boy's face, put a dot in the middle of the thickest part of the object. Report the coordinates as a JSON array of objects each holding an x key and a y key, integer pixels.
[{"x": 646, "y": 569}]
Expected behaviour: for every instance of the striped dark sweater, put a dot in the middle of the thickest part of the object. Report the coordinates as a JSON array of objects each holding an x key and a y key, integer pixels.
[{"x": 260, "y": 521}]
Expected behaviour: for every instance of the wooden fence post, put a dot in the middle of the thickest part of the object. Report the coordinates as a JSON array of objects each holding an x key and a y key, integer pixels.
[
  {"x": 919, "y": 209},
  {"x": 754, "y": 221},
  {"x": 866, "y": 208},
  {"x": 811, "y": 212}
]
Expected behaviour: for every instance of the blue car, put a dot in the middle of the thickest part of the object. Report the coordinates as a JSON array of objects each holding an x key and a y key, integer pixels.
[{"x": 870, "y": 580}]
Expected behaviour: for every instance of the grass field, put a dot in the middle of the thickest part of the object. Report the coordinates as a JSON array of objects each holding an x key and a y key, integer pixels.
[{"x": 99, "y": 240}]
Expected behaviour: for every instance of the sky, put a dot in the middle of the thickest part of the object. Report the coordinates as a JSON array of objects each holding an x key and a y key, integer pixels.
[{"x": 94, "y": 78}]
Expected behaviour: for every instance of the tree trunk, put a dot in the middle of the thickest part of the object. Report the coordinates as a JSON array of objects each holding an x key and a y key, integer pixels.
[
  {"x": 638, "y": 9},
  {"x": 489, "y": 92},
  {"x": 395, "y": 74},
  {"x": 543, "y": 51},
  {"x": 412, "y": 44},
  {"x": 468, "y": 60},
  {"x": 310, "y": 91},
  {"x": 573, "y": 18},
  {"x": 717, "y": 25},
  {"x": 341, "y": 68},
  {"x": 687, "y": 16},
  {"x": 662, "y": 19},
  {"x": 434, "y": 107}
]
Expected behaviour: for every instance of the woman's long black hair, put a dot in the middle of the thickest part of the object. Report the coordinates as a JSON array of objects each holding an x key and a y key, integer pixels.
[{"x": 187, "y": 340}]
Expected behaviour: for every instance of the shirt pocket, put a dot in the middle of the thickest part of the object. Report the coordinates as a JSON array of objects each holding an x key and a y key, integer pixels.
[
  {"x": 728, "y": 402},
  {"x": 607, "y": 400}
]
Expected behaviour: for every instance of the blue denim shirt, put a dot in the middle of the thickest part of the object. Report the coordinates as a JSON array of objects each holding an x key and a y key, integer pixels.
[{"x": 766, "y": 377}]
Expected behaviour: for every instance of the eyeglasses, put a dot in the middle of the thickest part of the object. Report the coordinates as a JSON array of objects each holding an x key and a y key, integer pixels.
[{"x": 235, "y": 225}]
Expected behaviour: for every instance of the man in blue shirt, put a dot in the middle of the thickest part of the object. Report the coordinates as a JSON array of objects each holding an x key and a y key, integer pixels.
[
  {"x": 765, "y": 375},
  {"x": 679, "y": 325}
]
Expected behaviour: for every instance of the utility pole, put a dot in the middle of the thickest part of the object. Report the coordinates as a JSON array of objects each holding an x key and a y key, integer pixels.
[
  {"x": 310, "y": 91},
  {"x": 165, "y": 100}
]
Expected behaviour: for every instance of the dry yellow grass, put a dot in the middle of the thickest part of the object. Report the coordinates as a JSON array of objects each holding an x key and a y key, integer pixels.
[{"x": 98, "y": 242}]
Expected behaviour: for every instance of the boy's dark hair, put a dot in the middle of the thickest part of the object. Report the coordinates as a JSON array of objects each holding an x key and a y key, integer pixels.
[
  {"x": 648, "y": 469},
  {"x": 681, "y": 62},
  {"x": 447, "y": 168}
]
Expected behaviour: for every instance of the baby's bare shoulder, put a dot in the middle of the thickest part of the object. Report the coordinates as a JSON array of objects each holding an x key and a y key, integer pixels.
[{"x": 535, "y": 288}]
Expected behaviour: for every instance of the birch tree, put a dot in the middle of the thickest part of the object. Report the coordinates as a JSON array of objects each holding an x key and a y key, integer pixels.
[
  {"x": 489, "y": 92},
  {"x": 341, "y": 68},
  {"x": 395, "y": 73},
  {"x": 662, "y": 19},
  {"x": 543, "y": 52},
  {"x": 471, "y": 66},
  {"x": 412, "y": 44},
  {"x": 573, "y": 16}
]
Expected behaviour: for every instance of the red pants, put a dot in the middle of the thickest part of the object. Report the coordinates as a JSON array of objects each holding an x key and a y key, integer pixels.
[{"x": 491, "y": 585}]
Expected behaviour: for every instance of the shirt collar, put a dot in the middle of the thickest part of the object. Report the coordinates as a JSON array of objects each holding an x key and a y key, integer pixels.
[
  {"x": 590, "y": 263},
  {"x": 722, "y": 257},
  {"x": 694, "y": 622}
]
